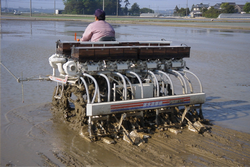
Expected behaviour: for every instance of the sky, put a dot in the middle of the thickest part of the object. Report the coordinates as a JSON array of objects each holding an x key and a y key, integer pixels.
[{"x": 152, "y": 4}]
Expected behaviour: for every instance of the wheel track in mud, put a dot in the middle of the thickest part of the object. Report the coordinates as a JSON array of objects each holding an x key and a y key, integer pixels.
[
  {"x": 88, "y": 160},
  {"x": 179, "y": 152},
  {"x": 173, "y": 150},
  {"x": 129, "y": 153},
  {"x": 208, "y": 147},
  {"x": 236, "y": 143},
  {"x": 229, "y": 150},
  {"x": 169, "y": 149}
]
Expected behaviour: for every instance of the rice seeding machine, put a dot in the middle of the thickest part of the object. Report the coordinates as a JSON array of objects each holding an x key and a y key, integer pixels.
[{"x": 112, "y": 89}]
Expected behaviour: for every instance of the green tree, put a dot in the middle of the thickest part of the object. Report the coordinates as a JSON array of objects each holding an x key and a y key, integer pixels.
[
  {"x": 111, "y": 6},
  {"x": 246, "y": 8},
  {"x": 211, "y": 13},
  {"x": 192, "y": 7},
  {"x": 135, "y": 10},
  {"x": 89, "y": 6},
  {"x": 176, "y": 9},
  {"x": 72, "y": 6},
  {"x": 125, "y": 9},
  {"x": 146, "y": 10},
  {"x": 182, "y": 12},
  {"x": 227, "y": 8},
  {"x": 81, "y": 6}
]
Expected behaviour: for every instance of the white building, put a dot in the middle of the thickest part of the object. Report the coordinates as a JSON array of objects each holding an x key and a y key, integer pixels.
[{"x": 197, "y": 10}]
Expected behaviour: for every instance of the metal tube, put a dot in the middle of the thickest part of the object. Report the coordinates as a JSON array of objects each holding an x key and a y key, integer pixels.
[
  {"x": 124, "y": 84},
  {"x": 201, "y": 89},
  {"x": 108, "y": 83},
  {"x": 86, "y": 88},
  {"x": 9, "y": 71},
  {"x": 155, "y": 81},
  {"x": 139, "y": 79},
  {"x": 189, "y": 82},
  {"x": 114, "y": 92},
  {"x": 163, "y": 88},
  {"x": 130, "y": 84},
  {"x": 96, "y": 88},
  {"x": 89, "y": 126},
  {"x": 169, "y": 79},
  {"x": 183, "y": 81}
]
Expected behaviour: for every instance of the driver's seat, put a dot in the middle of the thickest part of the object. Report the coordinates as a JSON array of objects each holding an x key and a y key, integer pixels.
[{"x": 107, "y": 39}]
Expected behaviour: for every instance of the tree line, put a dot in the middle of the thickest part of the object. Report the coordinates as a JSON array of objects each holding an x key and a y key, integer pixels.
[
  {"x": 110, "y": 6},
  {"x": 212, "y": 12},
  {"x": 225, "y": 8}
]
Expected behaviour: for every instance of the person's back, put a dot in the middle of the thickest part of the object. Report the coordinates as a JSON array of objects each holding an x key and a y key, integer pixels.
[{"x": 98, "y": 29}]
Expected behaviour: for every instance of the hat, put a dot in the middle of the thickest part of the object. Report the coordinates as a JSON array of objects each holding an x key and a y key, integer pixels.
[{"x": 99, "y": 12}]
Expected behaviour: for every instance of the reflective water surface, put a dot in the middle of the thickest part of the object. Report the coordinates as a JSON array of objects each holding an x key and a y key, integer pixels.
[{"x": 219, "y": 57}]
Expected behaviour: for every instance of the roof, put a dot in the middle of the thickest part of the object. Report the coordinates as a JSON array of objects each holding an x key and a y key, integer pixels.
[{"x": 201, "y": 6}]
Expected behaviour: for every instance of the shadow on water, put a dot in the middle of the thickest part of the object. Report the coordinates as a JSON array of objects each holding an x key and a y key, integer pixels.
[{"x": 217, "y": 109}]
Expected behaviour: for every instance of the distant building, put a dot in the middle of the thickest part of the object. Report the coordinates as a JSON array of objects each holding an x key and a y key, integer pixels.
[
  {"x": 197, "y": 10},
  {"x": 149, "y": 15},
  {"x": 59, "y": 11},
  {"x": 234, "y": 16},
  {"x": 216, "y": 6},
  {"x": 239, "y": 8}
]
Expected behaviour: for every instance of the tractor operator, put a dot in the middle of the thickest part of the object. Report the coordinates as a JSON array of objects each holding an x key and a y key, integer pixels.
[{"x": 99, "y": 30}]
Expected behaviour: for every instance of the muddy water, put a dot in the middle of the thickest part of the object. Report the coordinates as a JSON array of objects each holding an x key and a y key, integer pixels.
[{"x": 30, "y": 136}]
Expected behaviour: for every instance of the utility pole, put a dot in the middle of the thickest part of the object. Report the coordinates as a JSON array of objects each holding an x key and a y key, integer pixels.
[
  {"x": 54, "y": 6},
  {"x": 30, "y": 8},
  {"x": 103, "y": 5},
  {"x": 6, "y": 6},
  {"x": 117, "y": 9},
  {"x": 187, "y": 8}
]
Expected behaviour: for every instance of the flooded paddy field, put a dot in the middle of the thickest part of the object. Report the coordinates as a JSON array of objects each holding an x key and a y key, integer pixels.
[{"x": 31, "y": 136}]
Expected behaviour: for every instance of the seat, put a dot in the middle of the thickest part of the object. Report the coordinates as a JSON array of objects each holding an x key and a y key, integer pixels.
[{"x": 107, "y": 39}]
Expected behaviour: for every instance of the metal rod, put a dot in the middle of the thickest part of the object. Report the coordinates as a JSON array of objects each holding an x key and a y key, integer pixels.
[
  {"x": 201, "y": 89},
  {"x": 124, "y": 84},
  {"x": 89, "y": 127},
  {"x": 30, "y": 8},
  {"x": 114, "y": 92},
  {"x": 130, "y": 84},
  {"x": 108, "y": 83},
  {"x": 182, "y": 80},
  {"x": 10, "y": 72},
  {"x": 86, "y": 88},
  {"x": 22, "y": 90},
  {"x": 103, "y": 5},
  {"x": 169, "y": 79},
  {"x": 155, "y": 81},
  {"x": 96, "y": 88},
  {"x": 189, "y": 82},
  {"x": 139, "y": 79}
]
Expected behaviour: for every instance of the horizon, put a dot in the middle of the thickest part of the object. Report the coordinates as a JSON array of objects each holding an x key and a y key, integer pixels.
[{"x": 152, "y": 4}]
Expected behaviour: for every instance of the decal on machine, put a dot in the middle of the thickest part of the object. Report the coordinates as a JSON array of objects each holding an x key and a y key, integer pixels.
[{"x": 149, "y": 104}]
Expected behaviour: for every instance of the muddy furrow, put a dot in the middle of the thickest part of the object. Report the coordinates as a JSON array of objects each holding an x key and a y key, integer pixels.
[
  {"x": 180, "y": 156},
  {"x": 68, "y": 159},
  {"x": 85, "y": 158},
  {"x": 235, "y": 150},
  {"x": 219, "y": 151},
  {"x": 47, "y": 161},
  {"x": 130, "y": 153}
]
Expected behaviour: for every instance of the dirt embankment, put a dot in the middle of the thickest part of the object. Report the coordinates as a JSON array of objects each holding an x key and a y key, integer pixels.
[{"x": 239, "y": 24}]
